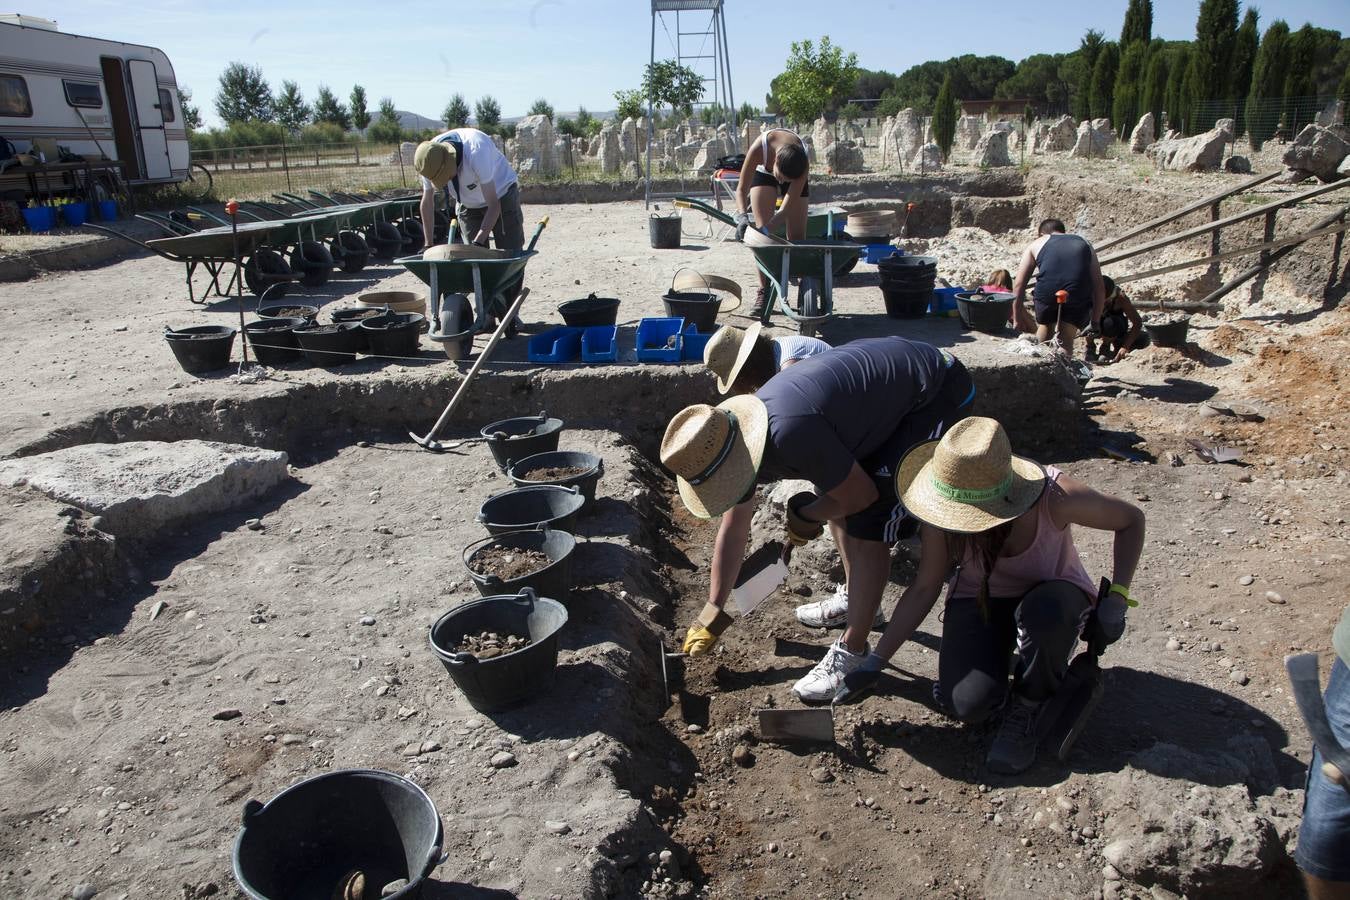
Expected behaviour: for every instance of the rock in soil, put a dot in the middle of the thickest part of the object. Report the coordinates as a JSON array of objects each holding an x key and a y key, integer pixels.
[
  {"x": 508, "y": 563},
  {"x": 490, "y": 644},
  {"x": 554, "y": 473}
]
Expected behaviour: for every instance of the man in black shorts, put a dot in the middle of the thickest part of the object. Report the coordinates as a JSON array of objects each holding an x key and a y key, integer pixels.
[
  {"x": 1061, "y": 262},
  {"x": 775, "y": 166},
  {"x": 841, "y": 420}
]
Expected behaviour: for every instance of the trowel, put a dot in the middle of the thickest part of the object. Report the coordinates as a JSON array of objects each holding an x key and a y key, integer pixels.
[
  {"x": 1302, "y": 669},
  {"x": 787, "y": 725},
  {"x": 762, "y": 573}
]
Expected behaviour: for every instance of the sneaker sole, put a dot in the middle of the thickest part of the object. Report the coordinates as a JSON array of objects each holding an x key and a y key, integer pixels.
[{"x": 840, "y": 623}]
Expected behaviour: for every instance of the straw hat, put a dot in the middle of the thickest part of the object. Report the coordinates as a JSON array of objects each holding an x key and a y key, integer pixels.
[
  {"x": 436, "y": 162},
  {"x": 969, "y": 481},
  {"x": 715, "y": 452},
  {"x": 726, "y": 352}
]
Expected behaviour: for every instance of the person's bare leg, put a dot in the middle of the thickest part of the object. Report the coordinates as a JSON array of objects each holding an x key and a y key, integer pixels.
[
  {"x": 1042, "y": 333},
  {"x": 1321, "y": 889},
  {"x": 1067, "y": 335},
  {"x": 837, "y": 532},
  {"x": 796, "y": 224},
  {"x": 868, "y": 567},
  {"x": 761, "y": 210}
]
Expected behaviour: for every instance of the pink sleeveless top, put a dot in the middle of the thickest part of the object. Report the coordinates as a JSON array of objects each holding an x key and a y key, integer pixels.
[{"x": 1050, "y": 557}]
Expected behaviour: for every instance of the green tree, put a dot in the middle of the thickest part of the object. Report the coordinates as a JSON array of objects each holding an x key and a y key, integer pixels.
[
  {"x": 1089, "y": 48},
  {"x": 817, "y": 79},
  {"x": 1298, "y": 82},
  {"x": 1103, "y": 84},
  {"x": 1211, "y": 63},
  {"x": 1154, "y": 91},
  {"x": 667, "y": 83},
  {"x": 630, "y": 105},
  {"x": 487, "y": 112},
  {"x": 872, "y": 85},
  {"x": 243, "y": 95},
  {"x": 290, "y": 109},
  {"x": 747, "y": 111},
  {"x": 1244, "y": 62},
  {"x": 456, "y": 114},
  {"x": 1126, "y": 102},
  {"x": 328, "y": 110},
  {"x": 586, "y": 122},
  {"x": 1038, "y": 78},
  {"x": 1264, "y": 100},
  {"x": 1138, "y": 23},
  {"x": 541, "y": 107},
  {"x": 850, "y": 112},
  {"x": 944, "y": 117},
  {"x": 360, "y": 116},
  {"x": 387, "y": 128},
  {"x": 1342, "y": 91},
  {"x": 192, "y": 116},
  {"x": 1173, "y": 99}
]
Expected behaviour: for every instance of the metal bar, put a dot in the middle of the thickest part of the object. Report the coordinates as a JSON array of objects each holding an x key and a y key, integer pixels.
[
  {"x": 1187, "y": 210},
  {"x": 1231, "y": 220},
  {"x": 1230, "y": 254},
  {"x": 651, "y": 121}
]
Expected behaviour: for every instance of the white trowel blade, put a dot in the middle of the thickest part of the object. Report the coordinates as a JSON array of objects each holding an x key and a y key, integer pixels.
[{"x": 758, "y": 587}]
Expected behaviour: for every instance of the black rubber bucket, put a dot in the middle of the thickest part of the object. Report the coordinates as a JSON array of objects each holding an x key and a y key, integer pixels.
[
  {"x": 272, "y": 341},
  {"x": 394, "y": 334},
  {"x": 1169, "y": 334},
  {"x": 590, "y": 311},
  {"x": 328, "y": 345},
  {"x": 586, "y": 481},
  {"x": 985, "y": 312},
  {"x": 203, "y": 348},
  {"x": 529, "y": 507},
  {"x": 511, "y": 440},
  {"x": 304, "y": 842},
  {"x": 313, "y": 261},
  {"x": 664, "y": 232},
  {"x": 289, "y": 310},
  {"x": 695, "y": 308},
  {"x": 897, "y": 263},
  {"x": 357, "y": 314},
  {"x": 512, "y": 678},
  {"x": 553, "y": 580},
  {"x": 906, "y": 303}
]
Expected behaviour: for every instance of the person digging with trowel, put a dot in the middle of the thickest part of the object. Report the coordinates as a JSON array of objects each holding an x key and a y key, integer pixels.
[
  {"x": 775, "y": 166},
  {"x": 996, "y": 530},
  {"x": 1060, "y": 262},
  {"x": 841, "y": 420}
]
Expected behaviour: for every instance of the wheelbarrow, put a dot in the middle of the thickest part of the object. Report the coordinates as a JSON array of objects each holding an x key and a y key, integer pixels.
[
  {"x": 814, "y": 262},
  {"x": 819, "y": 221}
]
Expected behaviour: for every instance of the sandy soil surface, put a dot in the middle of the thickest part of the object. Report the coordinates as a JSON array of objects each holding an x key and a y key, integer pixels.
[{"x": 117, "y": 773}]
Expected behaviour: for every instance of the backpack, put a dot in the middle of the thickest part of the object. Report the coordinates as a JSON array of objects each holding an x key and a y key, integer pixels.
[
  {"x": 7, "y": 149},
  {"x": 735, "y": 161}
]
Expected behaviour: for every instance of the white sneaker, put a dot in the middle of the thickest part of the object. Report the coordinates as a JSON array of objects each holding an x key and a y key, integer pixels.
[
  {"x": 823, "y": 682},
  {"x": 832, "y": 612}
]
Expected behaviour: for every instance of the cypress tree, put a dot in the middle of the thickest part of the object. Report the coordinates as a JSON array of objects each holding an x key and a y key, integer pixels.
[
  {"x": 944, "y": 117},
  {"x": 1177, "y": 68},
  {"x": 1154, "y": 92},
  {"x": 1211, "y": 63},
  {"x": 1125, "y": 105},
  {"x": 1244, "y": 61},
  {"x": 1104, "y": 80},
  {"x": 1088, "y": 50},
  {"x": 1138, "y": 23},
  {"x": 1267, "y": 88},
  {"x": 1298, "y": 82}
]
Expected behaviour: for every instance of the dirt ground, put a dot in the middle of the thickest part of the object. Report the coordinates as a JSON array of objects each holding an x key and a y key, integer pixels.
[{"x": 117, "y": 774}]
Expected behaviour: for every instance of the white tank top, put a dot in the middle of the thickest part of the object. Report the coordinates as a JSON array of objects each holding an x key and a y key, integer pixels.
[{"x": 764, "y": 138}]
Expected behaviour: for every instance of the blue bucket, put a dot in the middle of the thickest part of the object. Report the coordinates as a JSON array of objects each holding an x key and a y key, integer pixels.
[
  {"x": 39, "y": 218},
  {"x": 75, "y": 213},
  {"x": 107, "y": 210}
]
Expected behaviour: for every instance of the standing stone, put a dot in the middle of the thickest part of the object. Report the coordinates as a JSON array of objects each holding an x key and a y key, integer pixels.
[
  {"x": 593, "y": 148},
  {"x": 406, "y": 151},
  {"x": 1228, "y": 126},
  {"x": 907, "y": 134},
  {"x": 609, "y": 148},
  {"x": 628, "y": 140},
  {"x": 928, "y": 158},
  {"x": 535, "y": 149},
  {"x": 1142, "y": 135},
  {"x": 1332, "y": 114},
  {"x": 1317, "y": 150},
  {"x": 968, "y": 131},
  {"x": 1202, "y": 153},
  {"x": 1238, "y": 165},
  {"x": 821, "y": 133},
  {"x": 843, "y": 158},
  {"x": 1062, "y": 135},
  {"x": 705, "y": 158},
  {"x": 1090, "y": 141},
  {"x": 750, "y": 131},
  {"x": 632, "y": 171},
  {"x": 992, "y": 149}
]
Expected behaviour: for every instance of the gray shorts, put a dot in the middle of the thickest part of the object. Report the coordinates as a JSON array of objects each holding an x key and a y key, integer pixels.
[{"x": 509, "y": 231}]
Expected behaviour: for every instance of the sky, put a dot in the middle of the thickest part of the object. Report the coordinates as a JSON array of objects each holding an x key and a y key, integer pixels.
[{"x": 578, "y": 52}]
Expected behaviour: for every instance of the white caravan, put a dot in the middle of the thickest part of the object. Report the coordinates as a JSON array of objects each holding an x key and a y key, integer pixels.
[{"x": 102, "y": 99}]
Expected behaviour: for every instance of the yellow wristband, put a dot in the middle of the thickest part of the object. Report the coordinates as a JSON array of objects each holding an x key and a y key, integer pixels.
[{"x": 1123, "y": 591}]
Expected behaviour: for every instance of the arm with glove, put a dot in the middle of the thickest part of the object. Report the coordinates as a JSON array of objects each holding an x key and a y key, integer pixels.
[{"x": 728, "y": 551}]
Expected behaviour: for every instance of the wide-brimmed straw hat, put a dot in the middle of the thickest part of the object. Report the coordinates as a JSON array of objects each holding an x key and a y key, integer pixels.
[
  {"x": 436, "y": 162},
  {"x": 969, "y": 481},
  {"x": 726, "y": 353},
  {"x": 715, "y": 452}
]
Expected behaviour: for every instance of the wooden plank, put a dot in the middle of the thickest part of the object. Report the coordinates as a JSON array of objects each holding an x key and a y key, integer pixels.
[
  {"x": 1263, "y": 248},
  {"x": 1219, "y": 293},
  {"x": 1230, "y": 220},
  {"x": 1187, "y": 210}
]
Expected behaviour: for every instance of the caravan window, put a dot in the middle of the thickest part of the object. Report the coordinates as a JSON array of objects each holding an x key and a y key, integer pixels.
[
  {"x": 83, "y": 93},
  {"x": 166, "y": 105},
  {"x": 14, "y": 99}
]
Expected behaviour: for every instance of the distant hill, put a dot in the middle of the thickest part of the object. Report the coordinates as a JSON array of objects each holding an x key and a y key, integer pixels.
[{"x": 411, "y": 121}]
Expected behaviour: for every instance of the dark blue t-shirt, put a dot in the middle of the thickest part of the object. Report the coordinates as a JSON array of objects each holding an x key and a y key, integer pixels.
[
  {"x": 832, "y": 410},
  {"x": 1064, "y": 264}
]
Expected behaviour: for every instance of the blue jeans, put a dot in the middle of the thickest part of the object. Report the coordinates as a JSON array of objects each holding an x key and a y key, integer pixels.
[{"x": 1324, "y": 838}]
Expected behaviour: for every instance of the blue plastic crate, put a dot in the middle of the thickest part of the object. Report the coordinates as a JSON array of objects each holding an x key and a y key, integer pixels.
[
  {"x": 693, "y": 342},
  {"x": 944, "y": 301},
  {"x": 875, "y": 253},
  {"x": 654, "y": 334},
  {"x": 599, "y": 344},
  {"x": 557, "y": 345}
]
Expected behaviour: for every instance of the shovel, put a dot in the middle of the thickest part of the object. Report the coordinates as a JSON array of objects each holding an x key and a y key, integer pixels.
[{"x": 1302, "y": 669}]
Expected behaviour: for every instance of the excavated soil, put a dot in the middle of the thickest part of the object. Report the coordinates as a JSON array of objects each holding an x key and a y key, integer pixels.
[
  {"x": 508, "y": 563},
  {"x": 554, "y": 473}
]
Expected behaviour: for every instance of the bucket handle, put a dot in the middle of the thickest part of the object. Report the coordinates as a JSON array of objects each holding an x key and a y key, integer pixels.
[
  {"x": 459, "y": 659},
  {"x": 251, "y": 809},
  {"x": 435, "y": 857},
  {"x": 696, "y": 272}
]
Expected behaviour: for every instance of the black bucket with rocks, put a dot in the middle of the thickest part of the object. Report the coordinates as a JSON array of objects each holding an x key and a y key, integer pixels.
[
  {"x": 523, "y": 629},
  {"x": 353, "y": 834},
  {"x": 508, "y": 563},
  {"x": 202, "y": 348},
  {"x": 564, "y": 468},
  {"x": 514, "y": 439},
  {"x": 1168, "y": 330}
]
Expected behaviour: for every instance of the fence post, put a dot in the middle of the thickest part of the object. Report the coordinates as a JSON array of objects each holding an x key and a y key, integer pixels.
[
  {"x": 1215, "y": 234},
  {"x": 402, "y": 175},
  {"x": 285, "y": 161},
  {"x": 357, "y": 147},
  {"x": 1267, "y": 237}
]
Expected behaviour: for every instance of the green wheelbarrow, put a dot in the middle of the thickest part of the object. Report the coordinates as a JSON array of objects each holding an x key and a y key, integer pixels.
[
  {"x": 819, "y": 221},
  {"x": 814, "y": 262}
]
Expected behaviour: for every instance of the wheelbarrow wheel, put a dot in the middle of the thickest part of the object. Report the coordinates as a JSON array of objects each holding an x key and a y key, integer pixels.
[
  {"x": 848, "y": 266},
  {"x": 263, "y": 270},
  {"x": 385, "y": 239},
  {"x": 314, "y": 263},
  {"x": 411, "y": 229},
  {"x": 351, "y": 251},
  {"x": 808, "y": 305}
]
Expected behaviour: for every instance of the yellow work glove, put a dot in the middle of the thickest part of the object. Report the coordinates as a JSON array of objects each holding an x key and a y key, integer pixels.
[
  {"x": 707, "y": 628},
  {"x": 801, "y": 530}
]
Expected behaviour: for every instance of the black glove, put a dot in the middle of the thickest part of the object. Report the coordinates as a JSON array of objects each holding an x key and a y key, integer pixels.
[
  {"x": 742, "y": 225},
  {"x": 483, "y": 243},
  {"x": 801, "y": 530},
  {"x": 1110, "y": 618},
  {"x": 857, "y": 684}
]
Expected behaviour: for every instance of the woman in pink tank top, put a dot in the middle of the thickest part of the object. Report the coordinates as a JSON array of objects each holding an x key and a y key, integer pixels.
[{"x": 997, "y": 532}]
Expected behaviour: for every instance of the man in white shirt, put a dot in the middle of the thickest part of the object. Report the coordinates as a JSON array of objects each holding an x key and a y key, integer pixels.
[{"x": 480, "y": 186}]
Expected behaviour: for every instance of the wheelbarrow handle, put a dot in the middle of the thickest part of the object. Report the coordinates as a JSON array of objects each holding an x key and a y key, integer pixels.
[{"x": 538, "y": 230}]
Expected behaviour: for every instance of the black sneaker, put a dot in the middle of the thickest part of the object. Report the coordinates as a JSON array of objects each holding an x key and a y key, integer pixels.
[{"x": 1014, "y": 747}]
